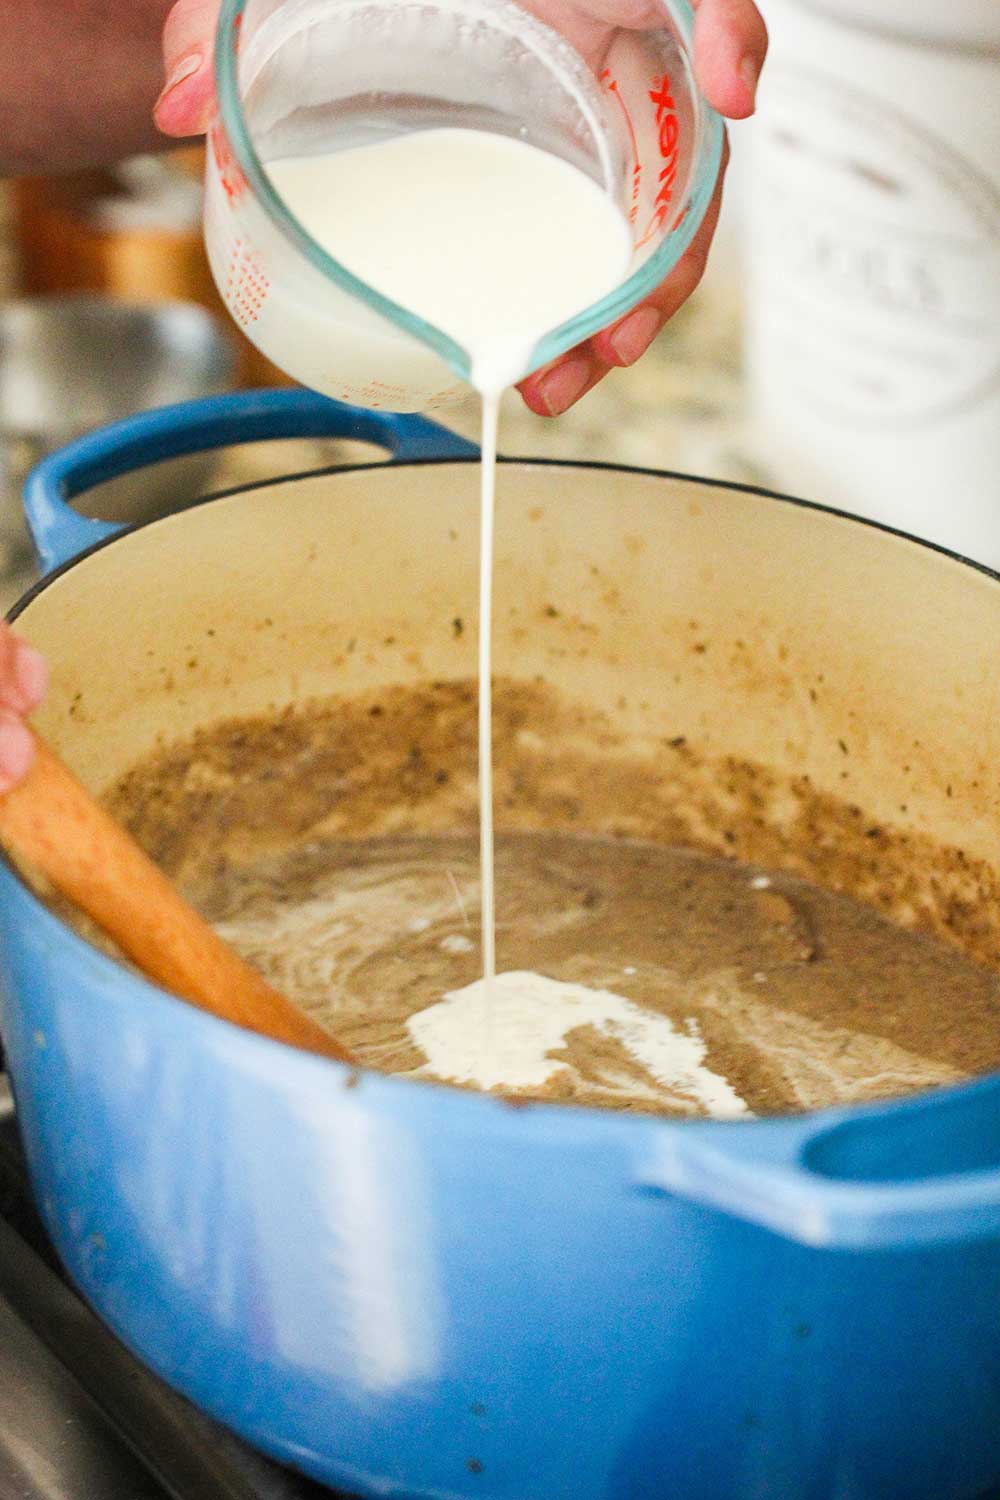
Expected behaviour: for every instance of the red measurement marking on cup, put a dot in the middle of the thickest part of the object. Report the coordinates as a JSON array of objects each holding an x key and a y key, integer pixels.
[
  {"x": 234, "y": 183},
  {"x": 611, "y": 84},
  {"x": 247, "y": 284},
  {"x": 668, "y": 135}
]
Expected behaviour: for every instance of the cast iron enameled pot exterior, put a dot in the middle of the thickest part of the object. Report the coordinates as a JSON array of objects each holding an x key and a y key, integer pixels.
[{"x": 411, "y": 1291}]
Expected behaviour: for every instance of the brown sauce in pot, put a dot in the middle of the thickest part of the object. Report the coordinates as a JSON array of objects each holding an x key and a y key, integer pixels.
[{"x": 335, "y": 847}]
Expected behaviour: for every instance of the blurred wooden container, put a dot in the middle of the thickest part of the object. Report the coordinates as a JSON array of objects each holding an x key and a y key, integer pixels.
[{"x": 85, "y": 232}]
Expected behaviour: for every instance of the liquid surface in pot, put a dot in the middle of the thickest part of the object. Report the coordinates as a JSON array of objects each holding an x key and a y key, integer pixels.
[{"x": 335, "y": 849}]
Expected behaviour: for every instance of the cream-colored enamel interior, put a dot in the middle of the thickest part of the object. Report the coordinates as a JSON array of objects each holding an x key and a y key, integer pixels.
[{"x": 859, "y": 664}]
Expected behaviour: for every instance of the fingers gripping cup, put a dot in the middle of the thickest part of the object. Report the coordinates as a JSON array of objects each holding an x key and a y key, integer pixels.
[{"x": 603, "y": 86}]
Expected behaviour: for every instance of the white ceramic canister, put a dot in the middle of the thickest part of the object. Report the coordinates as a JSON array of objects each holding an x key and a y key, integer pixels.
[{"x": 871, "y": 200}]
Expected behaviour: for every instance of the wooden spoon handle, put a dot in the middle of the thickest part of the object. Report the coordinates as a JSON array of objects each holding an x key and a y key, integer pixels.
[{"x": 50, "y": 821}]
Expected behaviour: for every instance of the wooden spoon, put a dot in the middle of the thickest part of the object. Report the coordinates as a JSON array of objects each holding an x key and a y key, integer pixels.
[{"x": 53, "y": 823}]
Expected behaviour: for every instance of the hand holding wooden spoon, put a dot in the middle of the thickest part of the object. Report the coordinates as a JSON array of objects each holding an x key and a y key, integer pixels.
[
  {"x": 49, "y": 820},
  {"x": 23, "y": 681}
]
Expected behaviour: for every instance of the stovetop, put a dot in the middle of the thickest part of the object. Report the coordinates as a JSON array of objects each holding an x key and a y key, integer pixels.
[{"x": 80, "y": 1417}]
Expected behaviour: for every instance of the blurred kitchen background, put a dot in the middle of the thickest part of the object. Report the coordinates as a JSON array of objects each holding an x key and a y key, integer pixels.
[{"x": 844, "y": 346}]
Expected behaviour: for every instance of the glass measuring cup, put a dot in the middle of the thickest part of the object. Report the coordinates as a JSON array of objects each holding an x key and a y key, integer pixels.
[{"x": 300, "y": 77}]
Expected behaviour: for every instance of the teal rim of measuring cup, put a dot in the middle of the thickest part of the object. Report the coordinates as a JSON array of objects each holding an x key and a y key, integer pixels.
[{"x": 704, "y": 175}]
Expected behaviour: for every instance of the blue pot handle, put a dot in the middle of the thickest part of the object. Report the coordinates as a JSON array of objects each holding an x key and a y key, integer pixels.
[
  {"x": 922, "y": 1171},
  {"x": 60, "y": 534}
]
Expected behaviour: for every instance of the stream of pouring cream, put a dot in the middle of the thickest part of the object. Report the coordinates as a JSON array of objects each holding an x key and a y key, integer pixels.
[
  {"x": 496, "y": 243},
  {"x": 487, "y": 528},
  {"x": 501, "y": 243}
]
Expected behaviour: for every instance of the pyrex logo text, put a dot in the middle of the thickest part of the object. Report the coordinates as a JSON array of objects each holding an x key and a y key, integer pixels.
[{"x": 669, "y": 134}]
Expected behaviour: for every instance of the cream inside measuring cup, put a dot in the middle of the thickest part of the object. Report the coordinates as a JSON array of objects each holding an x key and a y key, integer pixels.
[{"x": 496, "y": 242}]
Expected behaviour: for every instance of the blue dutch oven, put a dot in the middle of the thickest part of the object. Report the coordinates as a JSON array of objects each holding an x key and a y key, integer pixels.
[{"x": 405, "y": 1290}]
